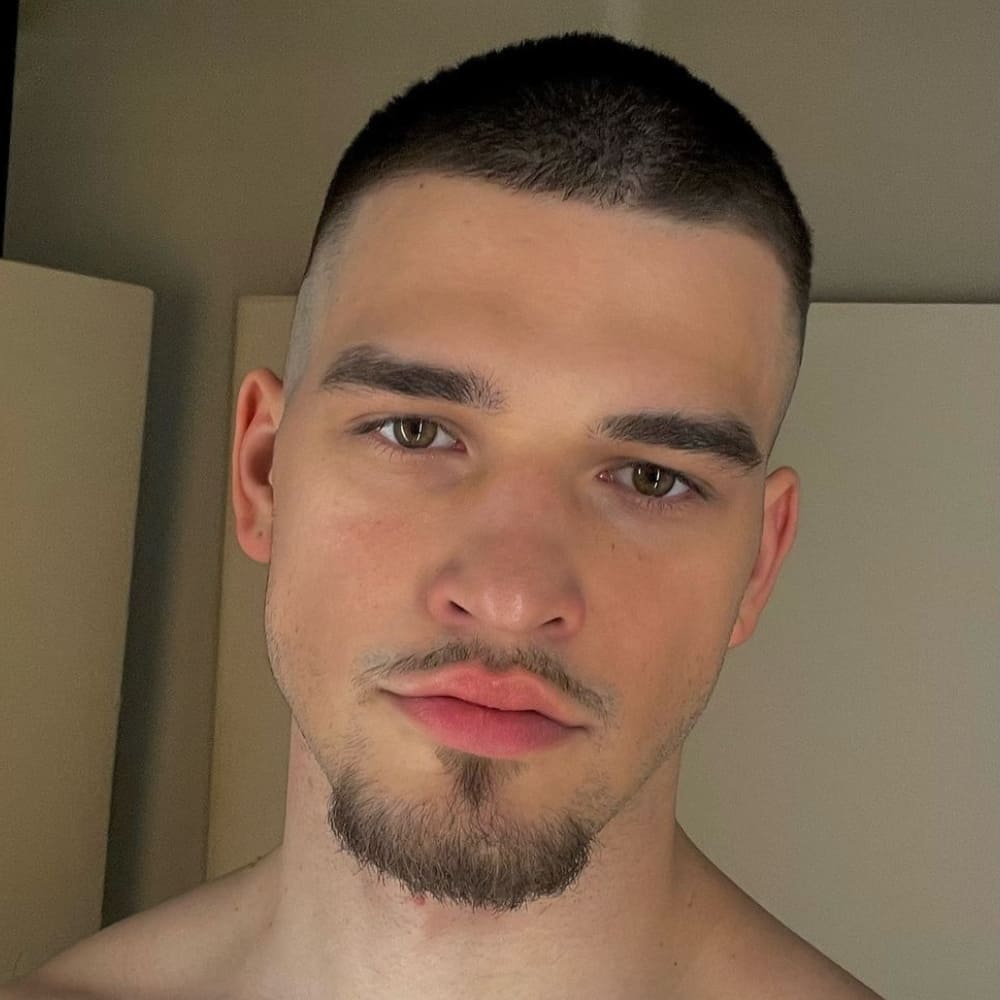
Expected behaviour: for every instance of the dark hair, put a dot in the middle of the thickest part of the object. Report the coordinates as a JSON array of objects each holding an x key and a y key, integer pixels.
[{"x": 593, "y": 119}]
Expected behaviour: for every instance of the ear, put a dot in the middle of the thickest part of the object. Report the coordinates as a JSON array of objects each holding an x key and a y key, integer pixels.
[
  {"x": 781, "y": 518},
  {"x": 259, "y": 408}
]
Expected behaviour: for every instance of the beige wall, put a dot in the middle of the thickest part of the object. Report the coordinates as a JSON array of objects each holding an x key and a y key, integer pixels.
[
  {"x": 186, "y": 147},
  {"x": 845, "y": 771},
  {"x": 73, "y": 387}
]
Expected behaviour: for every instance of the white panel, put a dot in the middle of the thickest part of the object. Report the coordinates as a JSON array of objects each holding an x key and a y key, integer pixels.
[
  {"x": 75, "y": 352},
  {"x": 844, "y": 773}
]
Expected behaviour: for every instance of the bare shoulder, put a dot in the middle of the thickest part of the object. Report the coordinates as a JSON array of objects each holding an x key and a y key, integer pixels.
[
  {"x": 184, "y": 947},
  {"x": 783, "y": 966},
  {"x": 752, "y": 955}
]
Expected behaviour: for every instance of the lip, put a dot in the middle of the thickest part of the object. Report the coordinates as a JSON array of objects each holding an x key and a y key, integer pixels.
[
  {"x": 490, "y": 715},
  {"x": 512, "y": 691}
]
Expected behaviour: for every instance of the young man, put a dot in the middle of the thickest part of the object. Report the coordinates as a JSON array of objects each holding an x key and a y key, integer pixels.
[{"x": 514, "y": 498}]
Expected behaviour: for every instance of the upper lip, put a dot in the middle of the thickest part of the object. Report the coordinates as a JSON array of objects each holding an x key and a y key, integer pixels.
[{"x": 512, "y": 691}]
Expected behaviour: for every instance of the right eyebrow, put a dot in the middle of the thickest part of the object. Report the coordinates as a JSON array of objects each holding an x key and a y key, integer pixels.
[
  {"x": 367, "y": 366},
  {"x": 726, "y": 438}
]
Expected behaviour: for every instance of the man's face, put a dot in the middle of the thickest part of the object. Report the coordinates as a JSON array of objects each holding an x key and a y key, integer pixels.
[{"x": 522, "y": 527}]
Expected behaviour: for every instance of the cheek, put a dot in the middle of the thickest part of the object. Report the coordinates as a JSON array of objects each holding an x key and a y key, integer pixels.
[
  {"x": 665, "y": 618},
  {"x": 342, "y": 559},
  {"x": 688, "y": 583}
]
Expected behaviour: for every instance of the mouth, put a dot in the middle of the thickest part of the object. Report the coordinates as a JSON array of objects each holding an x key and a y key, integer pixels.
[
  {"x": 485, "y": 732},
  {"x": 491, "y": 715}
]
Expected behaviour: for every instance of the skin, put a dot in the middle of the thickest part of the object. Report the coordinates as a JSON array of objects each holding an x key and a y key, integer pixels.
[{"x": 528, "y": 535}]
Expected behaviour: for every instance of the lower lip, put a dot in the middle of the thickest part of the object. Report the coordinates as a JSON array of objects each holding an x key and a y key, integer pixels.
[{"x": 487, "y": 732}]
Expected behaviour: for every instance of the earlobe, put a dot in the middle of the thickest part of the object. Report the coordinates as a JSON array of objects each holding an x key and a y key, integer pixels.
[
  {"x": 259, "y": 408},
  {"x": 781, "y": 515}
]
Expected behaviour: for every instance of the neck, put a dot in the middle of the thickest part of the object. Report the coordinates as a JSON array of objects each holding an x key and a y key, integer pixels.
[{"x": 336, "y": 930}]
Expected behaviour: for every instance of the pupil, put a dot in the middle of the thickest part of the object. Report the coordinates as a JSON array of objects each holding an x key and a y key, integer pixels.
[
  {"x": 652, "y": 480},
  {"x": 413, "y": 431}
]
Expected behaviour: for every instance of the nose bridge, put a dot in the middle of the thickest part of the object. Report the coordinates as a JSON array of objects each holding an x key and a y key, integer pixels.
[
  {"x": 510, "y": 566},
  {"x": 520, "y": 498}
]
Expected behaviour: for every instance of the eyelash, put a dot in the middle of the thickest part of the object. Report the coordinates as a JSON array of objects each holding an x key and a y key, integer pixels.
[{"x": 660, "y": 505}]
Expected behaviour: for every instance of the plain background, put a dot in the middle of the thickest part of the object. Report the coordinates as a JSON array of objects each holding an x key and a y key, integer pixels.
[
  {"x": 73, "y": 391},
  {"x": 187, "y": 146}
]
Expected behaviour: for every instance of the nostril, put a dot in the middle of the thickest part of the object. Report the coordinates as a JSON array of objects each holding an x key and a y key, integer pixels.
[{"x": 458, "y": 608}]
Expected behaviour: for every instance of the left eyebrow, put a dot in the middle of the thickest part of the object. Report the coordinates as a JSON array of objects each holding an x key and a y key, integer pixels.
[
  {"x": 369, "y": 367},
  {"x": 726, "y": 438}
]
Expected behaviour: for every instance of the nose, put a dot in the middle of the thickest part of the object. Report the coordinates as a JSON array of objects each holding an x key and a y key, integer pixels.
[{"x": 510, "y": 584}]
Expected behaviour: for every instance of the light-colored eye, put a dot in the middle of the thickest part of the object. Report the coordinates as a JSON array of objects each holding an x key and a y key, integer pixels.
[
  {"x": 415, "y": 433},
  {"x": 651, "y": 480}
]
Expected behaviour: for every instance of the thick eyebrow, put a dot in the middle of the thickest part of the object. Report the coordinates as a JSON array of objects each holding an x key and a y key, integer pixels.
[
  {"x": 724, "y": 437},
  {"x": 368, "y": 367}
]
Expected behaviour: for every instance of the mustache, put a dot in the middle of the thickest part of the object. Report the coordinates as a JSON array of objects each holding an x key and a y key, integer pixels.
[{"x": 532, "y": 659}]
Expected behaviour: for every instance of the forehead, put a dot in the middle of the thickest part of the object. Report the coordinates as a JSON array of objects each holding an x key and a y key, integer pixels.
[{"x": 458, "y": 270}]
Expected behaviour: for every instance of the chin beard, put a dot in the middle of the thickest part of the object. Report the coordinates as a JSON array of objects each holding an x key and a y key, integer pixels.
[{"x": 460, "y": 850}]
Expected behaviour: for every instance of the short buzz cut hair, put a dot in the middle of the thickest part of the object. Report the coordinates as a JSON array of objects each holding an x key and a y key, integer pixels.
[{"x": 586, "y": 117}]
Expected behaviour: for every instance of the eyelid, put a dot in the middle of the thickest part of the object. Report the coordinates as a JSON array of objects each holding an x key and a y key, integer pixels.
[
  {"x": 678, "y": 477},
  {"x": 392, "y": 421},
  {"x": 376, "y": 424},
  {"x": 694, "y": 492}
]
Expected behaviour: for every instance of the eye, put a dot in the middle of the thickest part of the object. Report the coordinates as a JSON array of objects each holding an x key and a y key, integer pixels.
[
  {"x": 414, "y": 433},
  {"x": 653, "y": 482}
]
